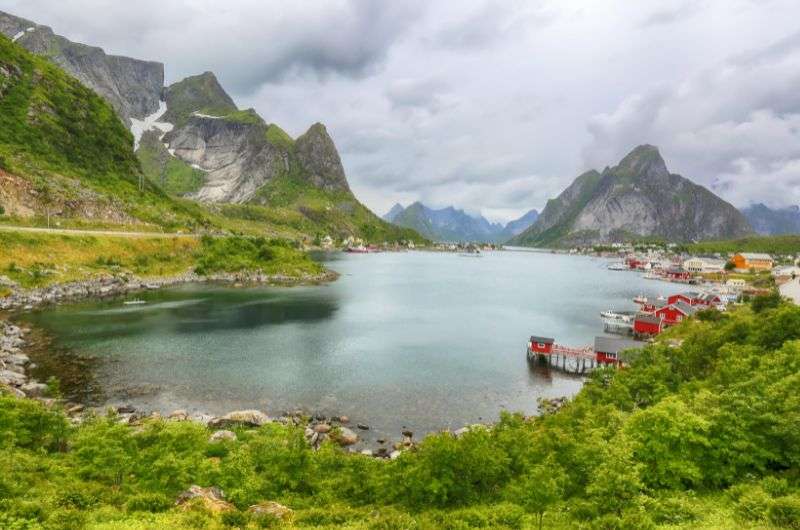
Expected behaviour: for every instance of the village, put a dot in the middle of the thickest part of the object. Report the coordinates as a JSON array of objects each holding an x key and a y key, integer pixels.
[{"x": 715, "y": 283}]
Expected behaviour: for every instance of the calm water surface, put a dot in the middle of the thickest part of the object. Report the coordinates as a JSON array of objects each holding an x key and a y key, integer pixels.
[{"x": 419, "y": 340}]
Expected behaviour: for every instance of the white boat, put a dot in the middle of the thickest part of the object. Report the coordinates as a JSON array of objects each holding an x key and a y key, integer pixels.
[
  {"x": 134, "y": 302},
  {"x": 651, "y": 276},
  {"x": 618, "y": 267}
]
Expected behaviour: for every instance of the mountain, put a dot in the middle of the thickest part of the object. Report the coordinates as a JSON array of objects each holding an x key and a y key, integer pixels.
[
  {"x": 450, "y": 224},
  {"x": 133, "y": 87},
  {"x": 192, "y": 141},
  {"x": 637, "y": 198},
  {"x": 65, "y": 153},
  {"x": 768, "y": 221},
  {"x": 518, "y": 226},
  {"x": 392, "y": 214}
]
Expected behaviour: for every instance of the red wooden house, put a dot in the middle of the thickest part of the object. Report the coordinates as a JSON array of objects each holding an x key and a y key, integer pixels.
[
  {"x": 647, "y": 324},
  {"x": 543, "y": 345},
  {"x": 694, "y": 298},
  {"x": 607, "y": 350},
  {"x": 674, "y": 313},
  {"x": 678, "y": 273}
]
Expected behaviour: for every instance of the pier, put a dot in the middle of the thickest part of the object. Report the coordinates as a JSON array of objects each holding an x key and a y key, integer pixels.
[{"x": 606, "y": 352}]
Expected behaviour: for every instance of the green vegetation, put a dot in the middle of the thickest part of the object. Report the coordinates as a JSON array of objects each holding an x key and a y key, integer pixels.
[
  {"x": 270, "y": 256},
  {"x": 699, "y": 432},
  {"x": 278, "y": 137},
  {"x": 778, "y": 245},
  {"x": 201, "y": 93},
  {"x": 36, "y": 260},
  {"x": 173, "y": 175},
  {"x": 246, "y": 117},
  {"x": 334, "y": 213}
]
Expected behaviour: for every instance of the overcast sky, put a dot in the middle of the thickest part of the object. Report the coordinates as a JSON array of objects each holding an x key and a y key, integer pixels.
[{"x": 490, "y": 106}]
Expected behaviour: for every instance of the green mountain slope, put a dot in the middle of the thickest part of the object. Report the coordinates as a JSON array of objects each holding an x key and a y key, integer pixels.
[
  {"x": 201, "y": 93},
  {"x": 69, "y": 150}
]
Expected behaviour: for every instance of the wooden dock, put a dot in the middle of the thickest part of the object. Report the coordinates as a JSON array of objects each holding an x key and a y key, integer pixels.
[{"x": 571, "y": 360}]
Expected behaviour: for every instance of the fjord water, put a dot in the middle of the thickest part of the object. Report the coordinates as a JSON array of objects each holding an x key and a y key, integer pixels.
[{"x": 419, "y": 340}]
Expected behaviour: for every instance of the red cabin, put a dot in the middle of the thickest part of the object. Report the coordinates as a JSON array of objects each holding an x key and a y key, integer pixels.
[
  {"x": 678, "y": 273},
  {"x": 647, "y": 324},
  {"x": 675, "y": 313},
  {"x": 543, "y": 345},
  {"x": 607, "y": 350}
]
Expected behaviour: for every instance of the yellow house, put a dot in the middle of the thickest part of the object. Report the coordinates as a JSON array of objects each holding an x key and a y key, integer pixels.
[{"x": 750, "y": 260}]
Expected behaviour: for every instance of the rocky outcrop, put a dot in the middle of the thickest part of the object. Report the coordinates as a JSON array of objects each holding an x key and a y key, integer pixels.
[
  {"x": 211, "y": 499},
  {"x": 235, "y": 155},
  {"x": 131, "y": 86},
  {"x": 320, "y": 160},
  {"x": 637, "y": 198}
]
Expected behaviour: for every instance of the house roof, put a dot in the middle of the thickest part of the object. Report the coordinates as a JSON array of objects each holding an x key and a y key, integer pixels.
[
  {"x": 684, "y": 308},
  {"x": 755, "y": 256},
  {"x": 648, "y": 318},
  {"x": 543, "y": 340},
  {"x": 614, "y": 345}
]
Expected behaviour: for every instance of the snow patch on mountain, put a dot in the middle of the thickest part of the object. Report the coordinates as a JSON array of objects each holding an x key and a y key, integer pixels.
[{"x": 139, "y": 127}]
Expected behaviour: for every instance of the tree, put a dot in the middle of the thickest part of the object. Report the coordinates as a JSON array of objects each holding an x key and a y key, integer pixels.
[
  {"x": 538, "y": 489},
  {"x": 615, "y": 483}
]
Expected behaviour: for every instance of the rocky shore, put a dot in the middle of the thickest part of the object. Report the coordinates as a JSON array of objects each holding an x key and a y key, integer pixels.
[
  {"x": 14, "y": 379},
  {"x": 110, "y": 286}
]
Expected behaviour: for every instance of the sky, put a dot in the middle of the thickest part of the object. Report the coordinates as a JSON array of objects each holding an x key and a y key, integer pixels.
[{"x": 490, "y": 106}]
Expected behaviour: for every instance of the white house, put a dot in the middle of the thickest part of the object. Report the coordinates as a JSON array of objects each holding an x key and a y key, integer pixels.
[{"x": 698, "y": 265}]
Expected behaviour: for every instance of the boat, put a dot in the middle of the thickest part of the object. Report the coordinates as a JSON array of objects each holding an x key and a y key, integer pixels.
[
  {"x": 134, "y": 302},
  {"x": 641, "y": 299},
  {"x": 618, "y": 267},
  {"x": 651, "y": 276},
  {"x": 360, "y": 249},
  {"x": 618, "y": 321}
]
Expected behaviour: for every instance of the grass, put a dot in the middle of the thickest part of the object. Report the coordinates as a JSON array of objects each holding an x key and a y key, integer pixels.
[
  {"x": 201, "y": 93},
  {"x": 278, "y": 137},
  {"x": 37, "y": 260},
  {"x": 173, "y": 175}
]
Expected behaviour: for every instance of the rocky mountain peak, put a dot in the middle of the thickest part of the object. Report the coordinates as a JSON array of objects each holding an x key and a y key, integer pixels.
[
  {"x": 317, "y": 154},
  {"x": 644, "y": 161},
  {"x": 392, "y": 214},
  {"x": 199, "y": 93}
]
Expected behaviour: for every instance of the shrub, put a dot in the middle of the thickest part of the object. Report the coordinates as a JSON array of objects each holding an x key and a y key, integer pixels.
[
  {"x": 235, "y": 519},
  {"x": 785, "y": 512},
  {"x": 149, "y": 502},
  {"x": 753, "y": 505}
]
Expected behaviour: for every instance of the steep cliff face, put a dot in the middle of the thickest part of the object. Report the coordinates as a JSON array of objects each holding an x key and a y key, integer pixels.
[
  {"x": 637, "y": 198},
  {"x": 234, "y": 154}
]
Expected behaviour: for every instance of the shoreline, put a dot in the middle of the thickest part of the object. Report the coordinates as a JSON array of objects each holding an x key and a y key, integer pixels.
[{"x": 16, "y": 364}]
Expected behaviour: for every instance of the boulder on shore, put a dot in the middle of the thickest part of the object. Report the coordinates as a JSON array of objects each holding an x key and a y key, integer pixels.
[
  {"x": 345, "y": 436},
  {"x": 248, "y": 418}
]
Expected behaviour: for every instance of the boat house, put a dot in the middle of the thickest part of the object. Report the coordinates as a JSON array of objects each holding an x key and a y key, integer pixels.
[
  {"x": 541, "y": 344},
  {"x": 678, "y": 273},
  {"x": 700, "y": 265}
]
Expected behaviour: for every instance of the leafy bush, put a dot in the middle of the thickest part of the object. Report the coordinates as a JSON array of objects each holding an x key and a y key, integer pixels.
[{"x": 785, "y": 512}]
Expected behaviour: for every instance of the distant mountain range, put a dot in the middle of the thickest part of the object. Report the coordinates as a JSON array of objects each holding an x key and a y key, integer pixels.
[
  {"x": 451, "y": 224},
  {"x": 637, "y": 198},
  {"x": 768, "y": 221}
]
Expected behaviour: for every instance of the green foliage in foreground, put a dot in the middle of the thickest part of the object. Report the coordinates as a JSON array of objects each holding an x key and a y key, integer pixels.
[
  {"x": 236, "y": 254},
  {"x": 701, "y": 431},
  {"x": 779, "y": 245}
]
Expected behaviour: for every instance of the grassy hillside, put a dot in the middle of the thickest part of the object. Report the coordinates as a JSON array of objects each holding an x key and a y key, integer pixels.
[
  {"x": 36, "y": 260},
  {"x": 785, "y": 245},
  {"x": 697, "y": 434},
  {"x": 70, "y": 146}
]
